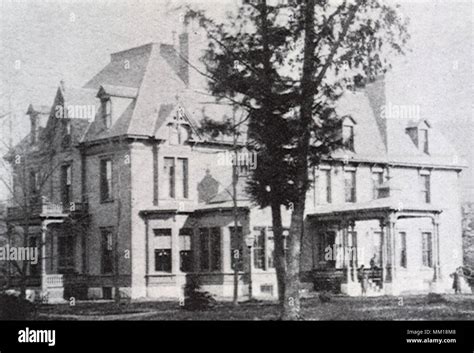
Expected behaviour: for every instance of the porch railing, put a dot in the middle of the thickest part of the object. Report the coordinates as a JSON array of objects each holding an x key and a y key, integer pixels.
[
  {"x": 45, "y": 208},
  {"x": 53, "y": 281}
]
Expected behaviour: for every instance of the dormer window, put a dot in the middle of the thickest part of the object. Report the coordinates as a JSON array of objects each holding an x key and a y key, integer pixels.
[
  {"x": 178, "y": 129},
  {"x": 348, "y": 133},
  {"x": 423, "y": 140},
  {"x": 107, "y": 112},
  {"x": 34, "y": 131},
  {"x": 419, "y": 134}
]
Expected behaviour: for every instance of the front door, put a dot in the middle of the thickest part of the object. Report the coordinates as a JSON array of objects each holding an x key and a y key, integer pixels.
[{"x": 65, "y": 254}]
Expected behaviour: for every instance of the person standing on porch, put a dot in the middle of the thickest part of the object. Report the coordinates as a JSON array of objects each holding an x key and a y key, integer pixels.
[
  {"x": 364, "y": 280},
  {"x": 457, "y": 275}
]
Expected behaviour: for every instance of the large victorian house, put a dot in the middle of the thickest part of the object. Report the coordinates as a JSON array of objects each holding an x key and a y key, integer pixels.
[{"x": 127, "y": 193}]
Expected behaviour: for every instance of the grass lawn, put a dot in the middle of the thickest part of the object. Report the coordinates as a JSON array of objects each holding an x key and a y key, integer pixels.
[{"x": 450, "y": 307}]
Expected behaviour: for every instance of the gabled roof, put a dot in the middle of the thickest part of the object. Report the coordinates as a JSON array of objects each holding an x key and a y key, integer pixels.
[
  {"x": 417, "y": 123},
  {"x": 226, "y": 195},
  {"x": 117, "y": 91},
  {"x": 38, "y": 109}
]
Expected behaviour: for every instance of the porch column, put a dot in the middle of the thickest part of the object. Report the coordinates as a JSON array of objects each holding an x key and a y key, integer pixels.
[
  {"x": 353, "y": 257},
  {"x": 345, "y": 245},
  {"x": 226, "y": 251},
  {"x": 383, "y": 252},
  {"x": 179, "y": 278},
  {"x": 44, "y": 229},
  {"x": 391, "y": 220},
  {"x": 437, "y": 270},
  {"x": 175, "y": 265}
]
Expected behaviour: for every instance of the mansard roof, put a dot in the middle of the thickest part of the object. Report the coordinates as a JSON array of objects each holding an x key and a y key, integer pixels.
[
  {"x": 151, "y": 86},
  {"x": 379, "y": 138}
]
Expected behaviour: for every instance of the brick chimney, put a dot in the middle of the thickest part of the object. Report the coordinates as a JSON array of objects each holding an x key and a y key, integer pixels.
[{"x": 184, "y": 57}]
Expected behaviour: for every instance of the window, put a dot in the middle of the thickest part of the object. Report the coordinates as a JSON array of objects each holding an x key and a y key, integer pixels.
[
  {"x": 376, "y": 251},
  {"x": 425, "y": 188},
  {"x": 270, "y": 247},
  {"x": 210, "y": 249},
  {"x": 107, "y": 113},
  {"x": 106, "y": 180},
  {"x": 107, "y": 251},
  {"x": 66, "y": 185},
  {"x": 426, "y": 248},
  {"x": 163, "y": 249},
  {"x": 377, "y": 181},
  {"x": 348, "y": 136},
  {"x": 350, "y": 185},
  {"x": 169, "y": 175},
  {"x": 34, "y": 182},
  {"x": 403, "y": 249},
  {"x": 259, "y": 249},
  {"x": 264, "y": 248},
  {"x": 65, "y": 254},
  {"x": 324, "y": 186},
  {"x": 353, "y": 248},
  {"x": 423, "y": 140},
  {"x": 34, "y": 268},
  {"x": 185, "y": 253},
  {"x": 236, "y": 251},
  {"x": 66, "y": 141},
  {"x": 163, "y": 260},
  {"x": 34, "y": 131},
  {"x": 182, "y": 178},
  {"x": 327, "y": 241},
  {"x": 327, "y": 178},
  {"x": 176, "y": 182}
]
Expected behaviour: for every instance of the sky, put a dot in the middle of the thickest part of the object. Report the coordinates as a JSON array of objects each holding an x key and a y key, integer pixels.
[{"x": 44, "y": 42}]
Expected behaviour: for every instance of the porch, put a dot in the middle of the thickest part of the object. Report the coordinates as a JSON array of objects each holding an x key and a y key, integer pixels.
[
  {"x": 57, "y": 232},
  {"x": 342, "y": 255}
]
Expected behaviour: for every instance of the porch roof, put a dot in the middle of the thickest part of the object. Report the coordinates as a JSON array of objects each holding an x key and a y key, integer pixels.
[{"x": 373, "y": 209}]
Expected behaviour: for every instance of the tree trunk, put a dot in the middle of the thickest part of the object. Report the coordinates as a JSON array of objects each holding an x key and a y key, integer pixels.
[
  {"x": 236, "y": 232},
  {"x": 26, "y": 230},
  {"x": 291, "y": 307},
  {"x": 280, "y": 261}
]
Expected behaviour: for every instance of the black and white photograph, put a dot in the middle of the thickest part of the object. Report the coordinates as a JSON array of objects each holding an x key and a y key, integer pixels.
[{"x": 237, "y": 160}]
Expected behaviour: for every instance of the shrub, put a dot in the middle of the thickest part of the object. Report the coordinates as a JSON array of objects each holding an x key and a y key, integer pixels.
[
  {"x": 12, "y": 307},
  {"x": 434, "y": 298},
  {"x": 324, "y": 297},
  {"x": 195, "y": 298}
]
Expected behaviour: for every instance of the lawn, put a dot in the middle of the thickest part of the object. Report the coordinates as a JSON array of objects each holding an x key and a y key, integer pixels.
[{"x": 448, "y": 307}]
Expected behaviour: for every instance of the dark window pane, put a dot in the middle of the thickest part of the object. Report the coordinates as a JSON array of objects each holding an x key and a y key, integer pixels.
[
  {"x": 107, "y": 251},
  {"x": 204, "y": 248},
  {"x": 162, "y": 232},
  {"x": 105, "y": 180},
  {"x": 215, "y": 249},
  {"x": 403, "y": 249},
  {"x": 169, "y": 169},
  {"x": 236, "y": 252},
  {"x": 186, "y": 260},
  {"x": 163, "y": 260}
]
